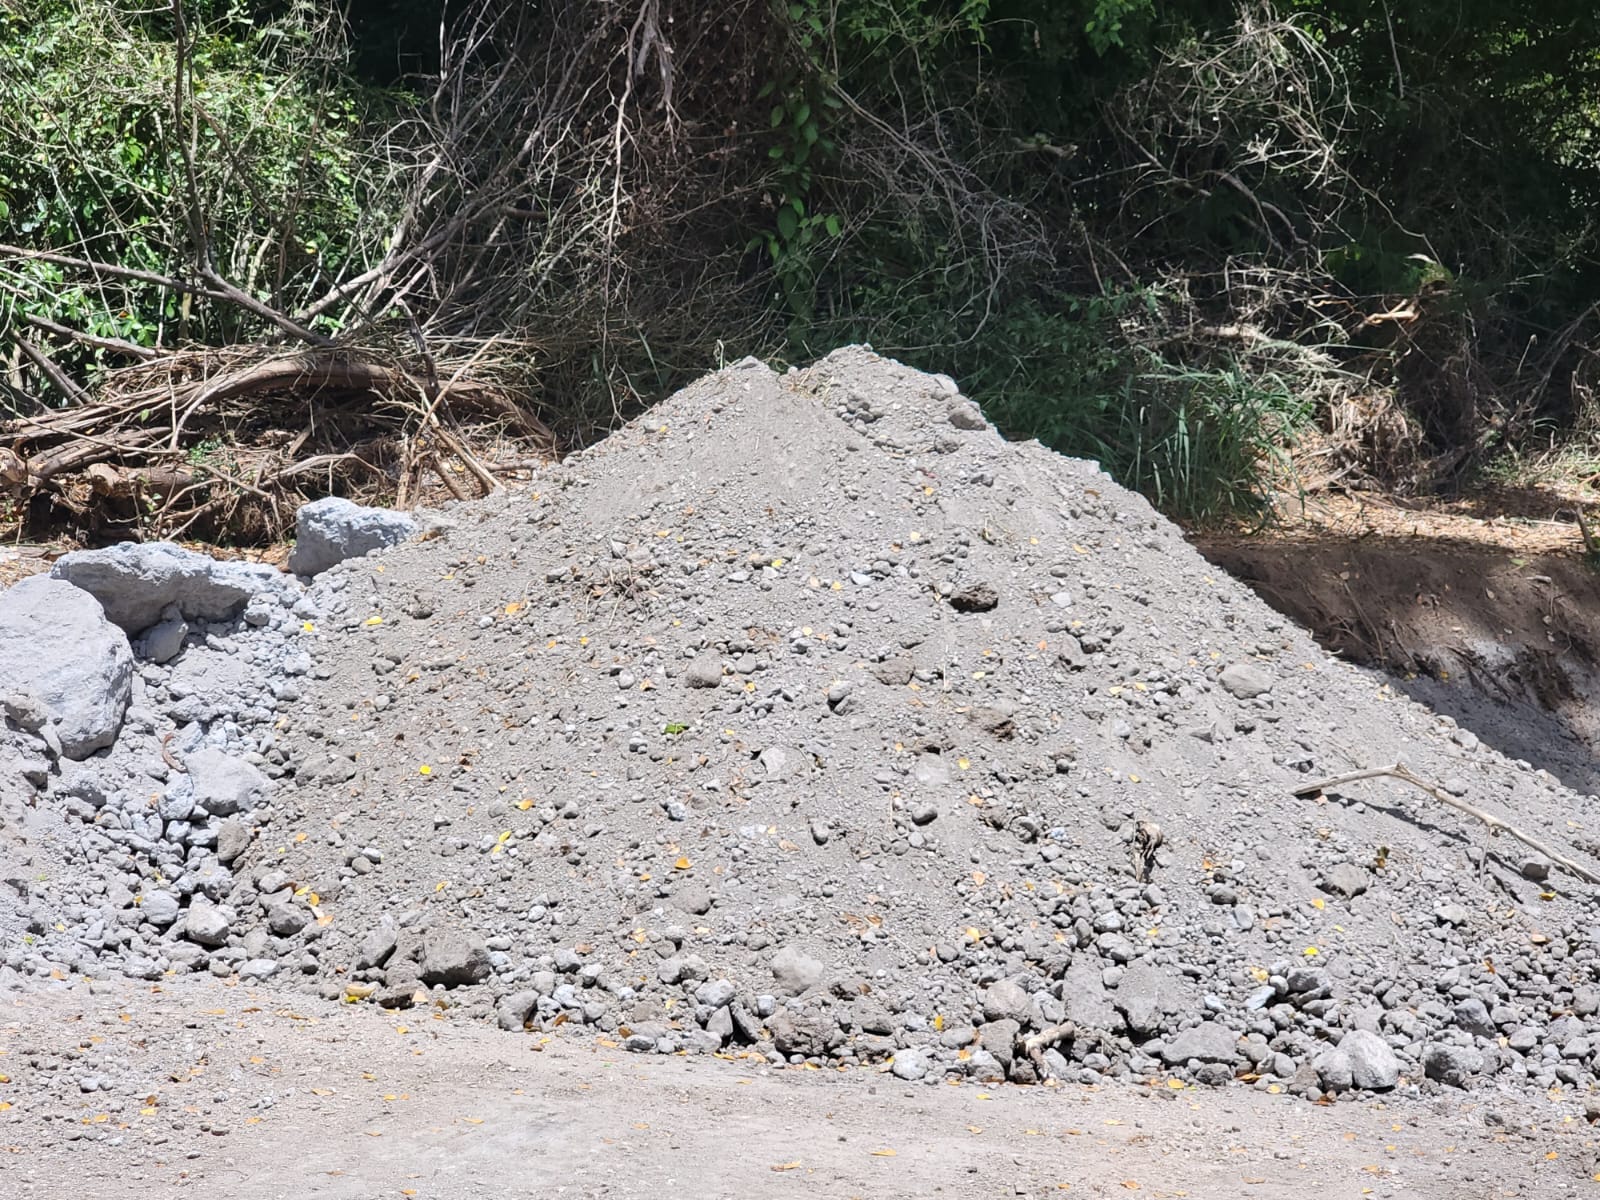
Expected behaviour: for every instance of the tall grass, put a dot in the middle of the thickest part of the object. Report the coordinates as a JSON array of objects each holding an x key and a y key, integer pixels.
[{"x": 1206, "y": 442}]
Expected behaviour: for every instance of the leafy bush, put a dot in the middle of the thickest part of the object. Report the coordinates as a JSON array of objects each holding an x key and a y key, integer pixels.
[{"x": 268, "y": 159}]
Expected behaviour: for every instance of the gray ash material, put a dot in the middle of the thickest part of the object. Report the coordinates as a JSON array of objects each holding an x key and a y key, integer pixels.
[{"x": 805, "y": 714}]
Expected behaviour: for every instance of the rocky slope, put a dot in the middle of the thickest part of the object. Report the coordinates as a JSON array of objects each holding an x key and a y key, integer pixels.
[{"x": 805, "y": 717}]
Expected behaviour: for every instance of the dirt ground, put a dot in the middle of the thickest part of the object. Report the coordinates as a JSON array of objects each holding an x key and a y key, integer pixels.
[
  {"x": 256, "y": 1100},
  {"x": 1486, "y": 609}
]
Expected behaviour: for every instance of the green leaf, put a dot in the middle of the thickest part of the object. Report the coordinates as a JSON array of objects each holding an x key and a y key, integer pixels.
[
  {"x": 788, "y": 222},
  {"x": 832, "y": 225},
  {"x": 777, "y": 115},
  {"x": 674, "y": 728}
]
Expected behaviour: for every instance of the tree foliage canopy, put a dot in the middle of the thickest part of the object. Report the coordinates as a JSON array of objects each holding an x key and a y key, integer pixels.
[{"x": 1168, "y": 236}]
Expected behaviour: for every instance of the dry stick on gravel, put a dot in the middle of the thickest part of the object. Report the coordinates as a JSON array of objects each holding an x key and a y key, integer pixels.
[{"x": 1496, "y": 825}]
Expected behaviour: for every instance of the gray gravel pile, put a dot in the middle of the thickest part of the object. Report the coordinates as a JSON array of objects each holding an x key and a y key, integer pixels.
[{"x": 806, "y": 717}]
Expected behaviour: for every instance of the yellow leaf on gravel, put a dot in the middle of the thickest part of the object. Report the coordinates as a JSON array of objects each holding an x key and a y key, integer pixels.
[
  {"x": 1311, "y": 952},
  {"x": 147, "y": 1112},
  {"x": 441, "y": 885},
  {"x": 1131, "y": 1184},
  {"x": 473, "y": 1120},
  {"x": 424, "y": 769},
  {"x": 1319, "y": 904},
  {"x": 683, "y": 864},
  {"x": 513, "y": 608},
  {"x": 885, "y": 1153},
  {"x": 963, "y": 763},
  {"x": 788, "y": 1166},
  {"x": 373, "y": 621},
  {"x": 524, "y": 805}
]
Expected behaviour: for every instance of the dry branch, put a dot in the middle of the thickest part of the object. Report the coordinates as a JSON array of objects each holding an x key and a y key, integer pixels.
[
  {"x": 205, "y": 436},
  {"x": 1495, "y": 824}
]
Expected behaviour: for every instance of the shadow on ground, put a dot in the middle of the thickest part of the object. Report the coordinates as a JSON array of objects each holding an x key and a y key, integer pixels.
[{"x": 1506, "y": 643}]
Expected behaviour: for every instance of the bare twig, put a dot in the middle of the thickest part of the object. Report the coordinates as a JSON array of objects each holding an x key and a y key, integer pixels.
[
  {"x": 115, "y": 345},
  {"x": 1496, "y": 825}
]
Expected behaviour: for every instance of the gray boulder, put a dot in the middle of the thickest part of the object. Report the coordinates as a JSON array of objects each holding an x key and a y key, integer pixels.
[
  {"x": 379, "y": 944},
  {"x": 1208, "y": 1042},
  {"x": 207, "y": 925},
  {"x": 1145, "y": 997},
  {"x": 160, "y": 908},
  {"x": 453, "y": 957},
  {"x": 224, "y": 785},
  {"x": 1453, "y": 1065},
  {"x": 1373, "y": 1064},
  {"x": 137, "y": 583},
  {"x": 1245, "y": 681},
  {"x": 794, "y": 971},
  {"x": 1006, "y": 1000},
  {"x": 1335, "y": 1071},
  {"x": 61, "y": 660},
  {"x": 329, "y": 531}
]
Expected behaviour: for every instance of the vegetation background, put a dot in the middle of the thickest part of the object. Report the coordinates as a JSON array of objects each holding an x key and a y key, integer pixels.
[{"x": 1178, "y": 238}]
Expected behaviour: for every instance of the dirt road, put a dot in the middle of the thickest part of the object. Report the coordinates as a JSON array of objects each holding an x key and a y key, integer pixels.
[{"x": 250, "y": 1099}]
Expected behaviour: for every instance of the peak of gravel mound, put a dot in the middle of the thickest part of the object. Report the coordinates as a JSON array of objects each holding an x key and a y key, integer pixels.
[{"x": 807, "y": 717}]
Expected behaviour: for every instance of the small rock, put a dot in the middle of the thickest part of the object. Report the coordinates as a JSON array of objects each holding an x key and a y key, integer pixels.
[
  {"x": 1007, "y": 1001},
  {"x": 703, "y": 671},
  {"x": 453, "y": 957},
  {"x": 1373, "y": 1065},
  {"x": 207, "y": 925},
  {"x": 1473, "y": 1016},
  {"x": 910, "y": 1065},
  {"x": 1208, "y": 1042},
  {"x": 224, "y": 785},
  {"x": 1334, "y": 1070},
  {"x": 160, "y": 908},
  {"x": 963, "y": 414},
  {"x": 1536, "y": 869},
  {"x": 974, "y": 598},
  {"x": 513, "y": 1011},
  {"x": 794, "y": 971},
  {"x": 1452, "y": 1065},
  {"x": 1245, "y": 681},
  {"x": 378, "y": 945},
  {"x": 1347, "y": 880}
]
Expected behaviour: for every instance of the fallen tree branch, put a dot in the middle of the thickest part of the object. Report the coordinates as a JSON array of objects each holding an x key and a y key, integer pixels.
[
  {"x": 57, "y": 377},
  {"x": 115, "y": 345},
  {"x": 1496, "y": 825}
]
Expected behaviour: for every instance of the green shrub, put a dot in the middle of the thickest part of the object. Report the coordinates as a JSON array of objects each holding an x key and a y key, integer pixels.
[{"x": 93, "y": 165}]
